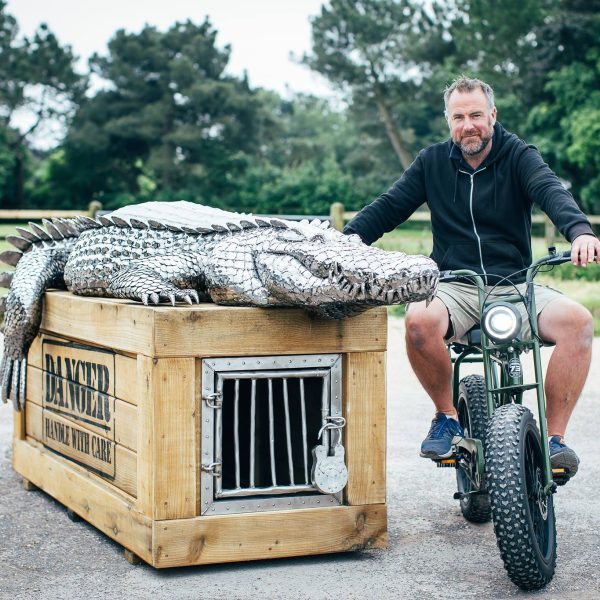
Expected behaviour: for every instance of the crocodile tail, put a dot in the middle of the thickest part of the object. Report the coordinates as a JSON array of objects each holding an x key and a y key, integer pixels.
[{"x": 39, "y": 262}]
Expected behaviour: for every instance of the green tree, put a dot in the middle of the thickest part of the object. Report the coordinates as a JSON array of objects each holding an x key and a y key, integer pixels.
[
  {"x": 170, "y": 122},
  {"x": 566, "y": 126},
  {"x": 37, "y": 77},
  {"x": 378, "y": 52}
]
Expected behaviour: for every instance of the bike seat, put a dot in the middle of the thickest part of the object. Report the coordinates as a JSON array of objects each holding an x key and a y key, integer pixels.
[{"x": 473, "y": 339}]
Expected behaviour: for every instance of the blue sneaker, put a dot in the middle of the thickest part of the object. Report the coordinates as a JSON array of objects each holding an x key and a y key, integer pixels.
[
  {"x": 562, "y": 457},
  {"x": 444, "y": 432}
]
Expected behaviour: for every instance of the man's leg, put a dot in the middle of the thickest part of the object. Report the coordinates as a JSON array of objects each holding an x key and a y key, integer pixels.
[
  {"x": 570, "y": 326},
  {"x": 427, "y": 353}
]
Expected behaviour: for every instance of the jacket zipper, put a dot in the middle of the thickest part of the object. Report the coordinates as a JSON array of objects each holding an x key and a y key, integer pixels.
[{"x": 472, "y": 175}]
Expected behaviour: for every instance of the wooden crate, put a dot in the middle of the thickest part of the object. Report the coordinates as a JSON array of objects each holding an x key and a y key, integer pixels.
[{"x": 112, "y": 425}]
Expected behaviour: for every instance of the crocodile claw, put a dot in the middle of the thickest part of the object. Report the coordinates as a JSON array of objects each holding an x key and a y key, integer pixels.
[{"x": 12, "y": 386}]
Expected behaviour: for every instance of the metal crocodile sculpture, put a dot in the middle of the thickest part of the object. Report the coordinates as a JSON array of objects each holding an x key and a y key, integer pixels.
[{"x": 180, "y": 251}]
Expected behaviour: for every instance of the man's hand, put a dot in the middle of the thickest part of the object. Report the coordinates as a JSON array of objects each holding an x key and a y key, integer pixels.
[{"x": 584, "y": 249}]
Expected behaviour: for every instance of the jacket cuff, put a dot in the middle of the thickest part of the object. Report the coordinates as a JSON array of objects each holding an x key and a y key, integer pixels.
[
  {"x": 349, "y": 230},
  {"x": 580, "y": 229}
]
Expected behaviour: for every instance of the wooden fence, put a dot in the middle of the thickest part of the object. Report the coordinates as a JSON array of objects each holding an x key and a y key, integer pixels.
[
  {"x": 13, "y": 216},
  {"x": 339, "y": 217}
]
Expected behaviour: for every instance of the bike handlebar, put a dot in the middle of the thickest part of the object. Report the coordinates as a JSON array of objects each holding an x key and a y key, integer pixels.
[
  {"x": 555, "y": 258},
  {"x": 559, "y": 258}
]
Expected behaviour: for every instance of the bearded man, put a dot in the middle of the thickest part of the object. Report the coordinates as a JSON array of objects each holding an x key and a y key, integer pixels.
[{"x": 480, "y": 187}]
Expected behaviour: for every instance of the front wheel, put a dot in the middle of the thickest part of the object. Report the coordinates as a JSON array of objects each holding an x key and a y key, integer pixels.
[{"x": 523, "y": 514}]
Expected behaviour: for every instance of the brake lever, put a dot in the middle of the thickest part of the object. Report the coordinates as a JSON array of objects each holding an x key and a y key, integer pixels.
[{"x": 447, "y": 276}]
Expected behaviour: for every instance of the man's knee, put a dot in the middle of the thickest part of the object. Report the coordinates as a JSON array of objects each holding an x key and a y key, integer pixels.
[
  {"x": 568, "y": 321},
  {"x": 426, "y": 325},
  {"x": 582, "y": 327}
]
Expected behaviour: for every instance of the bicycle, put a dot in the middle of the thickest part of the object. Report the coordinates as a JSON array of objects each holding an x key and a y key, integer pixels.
[{"x": 502, "y": 464}]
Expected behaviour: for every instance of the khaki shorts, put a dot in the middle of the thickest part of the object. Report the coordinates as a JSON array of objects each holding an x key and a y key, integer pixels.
[{"x": 462, "y": 302}]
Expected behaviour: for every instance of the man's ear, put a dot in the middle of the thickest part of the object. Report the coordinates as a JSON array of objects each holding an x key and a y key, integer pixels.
[{"x": 493, "y": 115}]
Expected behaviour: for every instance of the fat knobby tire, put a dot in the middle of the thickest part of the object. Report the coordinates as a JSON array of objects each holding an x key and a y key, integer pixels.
[
  {"x": 475, "y": 508},
  {"x": 528, "y": 565}
]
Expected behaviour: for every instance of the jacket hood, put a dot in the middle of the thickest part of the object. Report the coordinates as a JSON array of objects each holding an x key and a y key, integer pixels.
[{"x": 502, "y": 142}]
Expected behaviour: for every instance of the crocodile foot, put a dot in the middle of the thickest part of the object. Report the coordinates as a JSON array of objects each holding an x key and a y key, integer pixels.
[
  {"x": 143, "y": 283},
  {"x": 171, "y": 294}
]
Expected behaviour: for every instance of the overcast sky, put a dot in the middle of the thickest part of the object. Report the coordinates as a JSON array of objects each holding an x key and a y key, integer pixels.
[{"x": 262, "y": 33}]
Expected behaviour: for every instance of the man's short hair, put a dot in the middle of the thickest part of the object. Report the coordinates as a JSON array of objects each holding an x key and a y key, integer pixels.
[{"x": 467, "y": 84}]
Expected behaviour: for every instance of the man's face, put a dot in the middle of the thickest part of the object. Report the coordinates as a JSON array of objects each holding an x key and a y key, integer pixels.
[{"x": 470, "y": 120}]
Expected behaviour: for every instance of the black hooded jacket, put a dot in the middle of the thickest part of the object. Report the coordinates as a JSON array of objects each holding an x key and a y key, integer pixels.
[{"x": 480, "y": 219}]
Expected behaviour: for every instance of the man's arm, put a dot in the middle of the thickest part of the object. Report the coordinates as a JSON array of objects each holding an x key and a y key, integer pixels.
[
  {"x": 391, "y": 208},
  {"x": 543, "y": 187}
]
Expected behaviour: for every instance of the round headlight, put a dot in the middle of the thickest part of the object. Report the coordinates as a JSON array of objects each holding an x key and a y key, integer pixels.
[{"x": 501, "y": 322}]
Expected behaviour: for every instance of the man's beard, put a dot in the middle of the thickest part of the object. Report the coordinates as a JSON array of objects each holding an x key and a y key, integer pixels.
[{"x": 474, "y": 147}]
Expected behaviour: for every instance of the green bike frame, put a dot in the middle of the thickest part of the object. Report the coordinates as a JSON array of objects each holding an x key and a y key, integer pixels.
[{"x": 503, "y": 372}]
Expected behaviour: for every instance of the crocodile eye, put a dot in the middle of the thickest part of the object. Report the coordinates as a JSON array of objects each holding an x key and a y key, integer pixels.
[{"x": 291, "y": 235}]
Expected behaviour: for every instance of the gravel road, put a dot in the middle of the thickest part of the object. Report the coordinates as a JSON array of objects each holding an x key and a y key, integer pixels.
[{"x": 432, "y": 553}]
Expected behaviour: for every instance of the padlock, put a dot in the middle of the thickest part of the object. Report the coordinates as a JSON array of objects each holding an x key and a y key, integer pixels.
[{"x": 329, "y": 473}]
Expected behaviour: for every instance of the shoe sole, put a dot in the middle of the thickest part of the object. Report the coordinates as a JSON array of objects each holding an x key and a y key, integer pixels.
[
  {"x": 565, "y": 459},
  {"x": 434, "y": 456}
]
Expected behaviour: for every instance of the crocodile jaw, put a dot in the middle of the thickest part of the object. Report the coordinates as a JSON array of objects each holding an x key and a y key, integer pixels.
[{"x": 292, "y": 281}]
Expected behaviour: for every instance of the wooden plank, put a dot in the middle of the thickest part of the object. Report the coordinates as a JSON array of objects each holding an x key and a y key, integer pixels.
[
  {"x": 364, "y": 394},
  {"x": 125, "y": 378},
  {"x": 118, "y": 324},
  {"x": 85, "y": 494},
  {"x": 191, "y": 330},
  {"x": 215, "y": 330},
  {"x": 229, "y": 538},
  {"x": 172, "y": 398},
  {"x": 101, "y": 456},
  {"x": 123, "y": 384},
  {"x": 19, "y": 425},
  {"x": 145, "y": 443},
  {"x": 124, "y": 415},
  {"x": 38, "y": 215}
]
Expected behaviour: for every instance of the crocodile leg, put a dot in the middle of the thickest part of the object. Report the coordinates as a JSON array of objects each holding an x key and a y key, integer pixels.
[
  {"x": 35, "y": 272},
  {"x": 157, "y": 278}
]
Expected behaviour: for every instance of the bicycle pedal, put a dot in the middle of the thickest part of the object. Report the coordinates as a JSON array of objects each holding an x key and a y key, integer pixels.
[
  {"x": 560, "y": 476},
  {"x": 445, "y": 462}
]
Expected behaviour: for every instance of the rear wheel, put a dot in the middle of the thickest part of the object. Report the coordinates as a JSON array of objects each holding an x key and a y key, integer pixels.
[
  {"x": 523, "y": 514},
  {"x": 472, "y": 414}
]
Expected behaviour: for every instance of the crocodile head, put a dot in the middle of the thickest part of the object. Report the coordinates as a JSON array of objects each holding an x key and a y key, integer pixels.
[{"x": 323, "y": 270}]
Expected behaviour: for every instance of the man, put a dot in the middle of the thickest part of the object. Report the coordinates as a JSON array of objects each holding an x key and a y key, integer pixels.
[{"x": 480, "y": 187}]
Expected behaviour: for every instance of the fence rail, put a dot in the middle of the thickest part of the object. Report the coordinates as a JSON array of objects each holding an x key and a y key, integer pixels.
[
  {"x": 339, "y": 217},
  {"x": 17, "y": 215}
]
